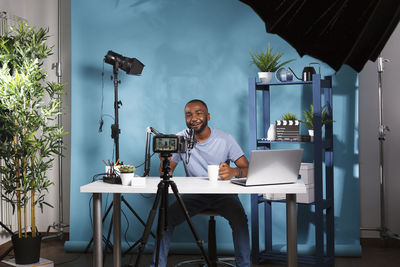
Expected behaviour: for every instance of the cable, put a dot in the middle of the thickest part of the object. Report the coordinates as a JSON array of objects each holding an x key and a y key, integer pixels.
[
  {"x": 140, "y": 165},
  {"x": 102, "y": 103},
  {"x": 68, "y": 261},
  {"x": 126, "y": 229},
  {"x": 102, "y": 100},
  {"x": 97, "y": 175}
]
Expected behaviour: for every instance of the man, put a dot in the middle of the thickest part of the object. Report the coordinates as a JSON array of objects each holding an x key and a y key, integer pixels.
[{"x": 211, "y": 147}]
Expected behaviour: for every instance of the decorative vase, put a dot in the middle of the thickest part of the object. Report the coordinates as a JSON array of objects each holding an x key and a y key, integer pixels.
[
  {"x": 26, "y": 250},
  {"x": 311, "y": 134},
  {"x": 271, "y": 134},
  {"x": 126, "y": 178},
  {"x": 265, "y": 77}
]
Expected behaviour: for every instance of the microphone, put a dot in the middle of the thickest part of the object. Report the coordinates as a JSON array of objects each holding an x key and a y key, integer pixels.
[
  {"x": 191, "y": 141},
  {"x": 190, "y": 144},
  {"x": 101, "y": 125}
]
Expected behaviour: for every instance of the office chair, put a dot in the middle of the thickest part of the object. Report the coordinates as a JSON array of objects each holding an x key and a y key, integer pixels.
[{"x": 212, "y": 246}]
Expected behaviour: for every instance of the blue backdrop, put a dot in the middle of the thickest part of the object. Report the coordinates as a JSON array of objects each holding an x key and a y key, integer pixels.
[{"x": 191, "y": 49}]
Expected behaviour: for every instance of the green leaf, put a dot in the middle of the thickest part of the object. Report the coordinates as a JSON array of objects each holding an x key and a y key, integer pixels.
[{"x": 268, "y": 61}]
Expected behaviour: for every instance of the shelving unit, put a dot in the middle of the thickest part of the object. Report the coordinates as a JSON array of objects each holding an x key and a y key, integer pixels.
[{"x": 323, "y": 181}]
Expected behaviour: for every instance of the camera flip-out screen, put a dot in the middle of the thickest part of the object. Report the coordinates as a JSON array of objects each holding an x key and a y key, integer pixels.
[{"x": 169, "y": 143}]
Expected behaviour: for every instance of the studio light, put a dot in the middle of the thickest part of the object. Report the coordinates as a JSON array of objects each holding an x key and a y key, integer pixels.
[{"x": 130, "y": 65}]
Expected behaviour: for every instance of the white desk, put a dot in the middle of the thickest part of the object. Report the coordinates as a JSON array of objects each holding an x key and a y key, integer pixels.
[{"x": 186, "y": 185}]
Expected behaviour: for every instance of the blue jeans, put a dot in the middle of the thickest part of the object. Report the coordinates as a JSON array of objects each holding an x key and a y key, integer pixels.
[{"x": 228, "y": 206}]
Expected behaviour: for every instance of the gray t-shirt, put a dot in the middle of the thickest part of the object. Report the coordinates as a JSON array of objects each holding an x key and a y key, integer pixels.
[{"x": 219, "y": 147}]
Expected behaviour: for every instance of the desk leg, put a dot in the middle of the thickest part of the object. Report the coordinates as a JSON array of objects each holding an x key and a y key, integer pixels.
[
  {"x": 291, "y": 230},
  {"x": 117, "y": 229},
  {"x": 97, "y": 231}
]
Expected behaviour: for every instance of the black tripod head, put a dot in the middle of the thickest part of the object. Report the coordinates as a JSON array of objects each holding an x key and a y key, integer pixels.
[{"x": 166, "y": 166}]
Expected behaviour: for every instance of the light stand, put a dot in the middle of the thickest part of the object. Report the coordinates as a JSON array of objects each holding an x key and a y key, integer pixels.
[
  {"x": 134, "y": 67},
  {"x": 162, "y": 195},
  {"x": 60, "y": 226},
  {"x": 115, "y": 131},
  {"x": 383, "y": 230}
]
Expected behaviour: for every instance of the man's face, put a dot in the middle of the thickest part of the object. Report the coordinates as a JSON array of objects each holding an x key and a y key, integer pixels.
[{"x": 197, "y": 116}]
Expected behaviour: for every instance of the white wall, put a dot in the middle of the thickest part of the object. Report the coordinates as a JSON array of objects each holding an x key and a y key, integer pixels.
[
  {"x": 44, "y": 13},
  {"x": 369, "y": 144}
]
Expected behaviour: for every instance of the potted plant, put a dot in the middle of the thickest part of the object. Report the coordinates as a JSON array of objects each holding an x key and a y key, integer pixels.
[
  {"x": 267, "y": 63},
  {"x": 309, "y": 119},
  {"x": 30, "y": 136},
  {"x": 126, "y": 172},
  {"x": 289, "y": 117}
]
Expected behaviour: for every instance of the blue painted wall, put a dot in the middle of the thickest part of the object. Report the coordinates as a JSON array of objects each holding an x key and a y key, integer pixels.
[{"x": 191, "y": 49}]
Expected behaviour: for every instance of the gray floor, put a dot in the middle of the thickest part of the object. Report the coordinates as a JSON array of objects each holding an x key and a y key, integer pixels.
[{"x": 373, "y": 255}]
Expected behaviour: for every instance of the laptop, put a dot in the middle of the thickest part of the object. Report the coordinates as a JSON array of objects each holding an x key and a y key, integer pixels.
[{"x": 279, "y": 166}]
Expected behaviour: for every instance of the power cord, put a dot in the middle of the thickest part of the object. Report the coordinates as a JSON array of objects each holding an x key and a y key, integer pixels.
[{"x": 101, "y": 122}]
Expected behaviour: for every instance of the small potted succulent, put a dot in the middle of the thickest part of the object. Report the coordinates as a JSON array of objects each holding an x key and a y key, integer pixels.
[
  {"x": 267, "y": 63},
  {"x": 127, "y": 173}
]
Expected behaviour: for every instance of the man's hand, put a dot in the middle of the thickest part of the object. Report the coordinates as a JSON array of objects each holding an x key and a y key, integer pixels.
[{"x": 226, "y": 172}]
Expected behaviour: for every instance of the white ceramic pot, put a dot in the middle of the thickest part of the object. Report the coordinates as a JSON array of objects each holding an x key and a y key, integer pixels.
[
  {"x": 265, "y": 77},
  {"x": 126, "y": 178}
]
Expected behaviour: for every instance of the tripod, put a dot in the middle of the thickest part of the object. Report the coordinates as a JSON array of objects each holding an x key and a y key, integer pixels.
[
  {"x": 2, "y": 256},
  {"x": 162, "y": 195}
]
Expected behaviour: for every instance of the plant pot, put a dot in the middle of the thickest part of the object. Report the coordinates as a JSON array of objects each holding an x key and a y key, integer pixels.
[
  {"x": 126, "y": 178},
  {"x": 265, "y": 77},
  {"x": 26, "y": 250}
]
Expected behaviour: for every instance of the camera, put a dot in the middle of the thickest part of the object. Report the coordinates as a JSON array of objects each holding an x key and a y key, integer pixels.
[{"x": 169, "y": 144}]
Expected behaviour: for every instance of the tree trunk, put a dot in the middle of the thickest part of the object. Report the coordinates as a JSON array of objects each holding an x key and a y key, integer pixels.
[
  {"x": 33, "y": 213},
  {"x": 18, "y": 185},
  {"x": 25, "y": 225}
]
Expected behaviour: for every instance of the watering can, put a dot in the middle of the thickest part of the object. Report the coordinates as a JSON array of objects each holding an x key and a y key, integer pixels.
[{"x": 284, "y": 75}]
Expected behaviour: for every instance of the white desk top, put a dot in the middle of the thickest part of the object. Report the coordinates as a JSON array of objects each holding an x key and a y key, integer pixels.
[{"x": 194, "y": 185}]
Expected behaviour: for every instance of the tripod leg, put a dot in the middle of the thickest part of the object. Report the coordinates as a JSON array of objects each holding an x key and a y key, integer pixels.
[
  {"x": 161, "y": 220},
  {"x": 2, "y": 256},
  {"x": 6, "y": 228},
  {"x": 189, "y": 221},
  {"x": 147, "y": 228}
]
